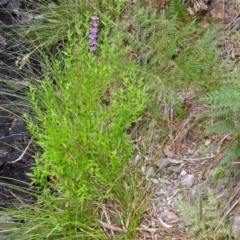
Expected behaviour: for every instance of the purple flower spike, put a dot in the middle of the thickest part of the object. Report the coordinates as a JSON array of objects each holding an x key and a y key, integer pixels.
[{"x": 93, "y": 33}]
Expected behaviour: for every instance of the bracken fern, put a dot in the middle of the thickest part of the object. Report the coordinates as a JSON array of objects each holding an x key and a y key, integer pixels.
[
  {"x": 203, "y": 218},
  {"x": 171, "y": 56},
  {"x": 225, "y": 108}
]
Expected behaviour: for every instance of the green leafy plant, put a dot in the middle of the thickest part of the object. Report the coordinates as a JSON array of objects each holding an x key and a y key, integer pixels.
[
  {"x": 82, "y": 107},
  {"x": 179, "y": 9},
  {"x": 73, "y": 125},
  {"x": 203, "y": 218}
]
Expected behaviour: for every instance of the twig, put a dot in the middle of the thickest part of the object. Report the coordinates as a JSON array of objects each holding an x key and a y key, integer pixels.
[
  {"x": 163, "y": 223},
  {"x": 17, "y": 197},
  {"x": 196, "y": 159},
  {"x": 232, "y": 207},
  {"x": 236, "y": 191},
  {"x": 24, "y": 152}
]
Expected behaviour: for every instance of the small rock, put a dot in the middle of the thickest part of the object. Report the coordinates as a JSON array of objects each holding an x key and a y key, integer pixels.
[
  {"x": 187, "y": 180},
  {"x": 235, "y": 227},
  {"x": 183, "y": 173},
  {"x": 169, "y": 216}
]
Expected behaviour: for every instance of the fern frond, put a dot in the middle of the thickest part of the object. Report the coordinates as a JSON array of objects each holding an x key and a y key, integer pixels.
[
  {"x": 167, "y": 48},
  {"x": 224, "y": 96},
  {"x": 176, "y": 7},
  {"x": 203, "y": 217},
  {"x": 225, "y": 107},
  {"x": 222, "y": 127},
  {"x": 232, "y": 153}
]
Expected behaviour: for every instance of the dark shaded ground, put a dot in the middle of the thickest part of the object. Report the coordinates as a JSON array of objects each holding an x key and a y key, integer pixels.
[{"x": 14, "y": 138}]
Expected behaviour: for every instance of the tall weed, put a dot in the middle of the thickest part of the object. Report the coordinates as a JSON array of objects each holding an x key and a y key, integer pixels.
[{"x": 81, "y": 111}]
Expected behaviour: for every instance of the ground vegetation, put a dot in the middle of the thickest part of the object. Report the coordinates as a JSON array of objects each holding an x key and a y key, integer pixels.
[{"x": 116, "y": 89}]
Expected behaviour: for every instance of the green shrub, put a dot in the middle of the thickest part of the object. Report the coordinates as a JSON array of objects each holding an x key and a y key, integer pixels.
[{"x": 82, "y": 112}]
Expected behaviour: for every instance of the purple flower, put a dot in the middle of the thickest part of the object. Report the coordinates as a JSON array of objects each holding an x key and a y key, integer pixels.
[
  {"x": 94, "y": 24},
  {"x": 93, "y": 33},
  {"x": 93, "y": 42},
  {"x": 94, "y": 18},
  {"x": 92, "y": 48},
  {"x": 93, "y": 30},
  {"x": 92, "y": 36}
]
